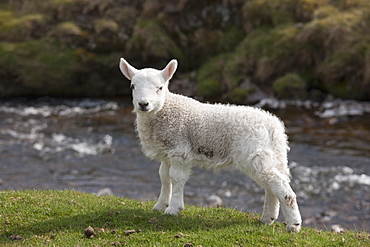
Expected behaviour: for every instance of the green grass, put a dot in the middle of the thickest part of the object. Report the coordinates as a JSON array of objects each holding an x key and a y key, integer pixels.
[{"x": 59, "y": 218}]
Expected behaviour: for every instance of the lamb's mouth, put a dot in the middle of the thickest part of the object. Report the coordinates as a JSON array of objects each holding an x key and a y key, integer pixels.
[{"x": 143, "y": 110}]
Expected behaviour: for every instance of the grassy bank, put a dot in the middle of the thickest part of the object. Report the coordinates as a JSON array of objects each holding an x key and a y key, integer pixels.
[
  {"x": 230, "y": 49},
  {"x": 59, "y": 218}
]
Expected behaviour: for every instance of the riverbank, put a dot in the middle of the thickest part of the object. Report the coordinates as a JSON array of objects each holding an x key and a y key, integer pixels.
[
  {"x": 71, "y": 218},
  {"x": 235, "y": 51}
]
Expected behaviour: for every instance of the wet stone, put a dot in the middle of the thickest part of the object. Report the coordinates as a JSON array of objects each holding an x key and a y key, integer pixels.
[
  {"x": 15, "y": 237},
  {"x": 90, "y": 232},
  {"x": 104, "y": 192},
  {"x": 337, "y": 229}
]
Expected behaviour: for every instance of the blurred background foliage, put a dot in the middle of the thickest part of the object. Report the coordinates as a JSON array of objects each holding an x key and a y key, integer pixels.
[{"x": 229, "y": 50}]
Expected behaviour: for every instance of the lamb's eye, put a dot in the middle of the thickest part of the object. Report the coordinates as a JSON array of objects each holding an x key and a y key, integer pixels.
[
  {"x": 132, "y": 86},
  {"x": 159, "y": 89}
]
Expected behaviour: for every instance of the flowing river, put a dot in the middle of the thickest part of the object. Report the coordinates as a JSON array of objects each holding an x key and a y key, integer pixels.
[{"x": 90, "y": 145}]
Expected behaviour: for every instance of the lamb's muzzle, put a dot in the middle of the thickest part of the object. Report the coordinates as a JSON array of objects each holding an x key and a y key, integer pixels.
[
  {"x": 143, "y": 106},
  {"x": 181, "y": 132}
]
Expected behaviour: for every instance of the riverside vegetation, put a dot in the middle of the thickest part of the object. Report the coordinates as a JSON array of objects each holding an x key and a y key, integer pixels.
[
  {"x": 71, "y": 218},
  {"x": 232, "y": 49}
]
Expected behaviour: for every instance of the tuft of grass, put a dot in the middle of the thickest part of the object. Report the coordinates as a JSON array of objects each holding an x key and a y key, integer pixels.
[
  {"x": 67, "y": 28},
  {"x": 149, "y": 39},
  {"x": 59, "y": 218},
  {"x": 239, "y": 95},
  {"x": 40, "y": 65},
  {"x": 15, "y": 29},
  {"x": 209, "y": 88},
  {"x": 105, "y": 26},
  {"x": 290, "y": 85}
]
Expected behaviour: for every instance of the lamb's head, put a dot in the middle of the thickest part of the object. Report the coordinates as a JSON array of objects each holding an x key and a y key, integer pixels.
[{"x": 149, "y": 86}]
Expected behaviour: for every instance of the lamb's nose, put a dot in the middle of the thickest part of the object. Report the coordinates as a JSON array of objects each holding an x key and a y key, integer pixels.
[{"x": 143, "y": 106}]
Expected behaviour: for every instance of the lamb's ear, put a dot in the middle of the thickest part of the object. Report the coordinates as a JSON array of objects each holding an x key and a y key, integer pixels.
[
  {"x": 170, "y": 69},
  {"x": 127, "y": 70}
]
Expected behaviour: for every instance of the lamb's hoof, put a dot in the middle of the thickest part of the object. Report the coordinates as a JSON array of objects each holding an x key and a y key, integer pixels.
[
  {"x": 267, "y": 220},
  {"x": 173, "y": 211},
  {"x": 160, "y": 207},
  {"x": 294, "y": 228}
]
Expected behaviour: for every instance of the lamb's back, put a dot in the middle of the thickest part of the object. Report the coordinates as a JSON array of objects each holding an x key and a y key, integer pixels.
[{"x": 207, "y": 131}]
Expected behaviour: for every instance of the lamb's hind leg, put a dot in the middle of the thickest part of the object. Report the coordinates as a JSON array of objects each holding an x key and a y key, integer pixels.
[
  {"x": 280, "y": 187},
  {"x": 166, "y": 187},
  {"x": 179, "y": 174},
  {"x": 276, "y": 182},
  {"x": 270, "y": 208}
]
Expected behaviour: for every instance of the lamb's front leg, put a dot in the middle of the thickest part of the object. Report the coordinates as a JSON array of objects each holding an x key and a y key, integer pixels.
[
  {"x": 179, "y": 174},
  {"x": 166, "y": 187}
]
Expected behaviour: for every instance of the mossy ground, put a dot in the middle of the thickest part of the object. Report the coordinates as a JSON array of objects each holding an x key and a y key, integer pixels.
[
  {"x": 59, "y": 218},
  {"x": 258, "y": 40}
]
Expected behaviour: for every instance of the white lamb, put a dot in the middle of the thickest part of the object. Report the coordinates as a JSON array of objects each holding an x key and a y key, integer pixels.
[{"x": 181, "y": 132}]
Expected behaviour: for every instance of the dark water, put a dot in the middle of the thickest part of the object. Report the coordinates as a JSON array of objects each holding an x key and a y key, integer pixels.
[{"x": 90, "y": 145}]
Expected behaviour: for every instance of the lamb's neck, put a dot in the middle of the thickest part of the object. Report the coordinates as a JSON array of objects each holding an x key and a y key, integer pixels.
[
  {"x": 143, "y": 119},
  {"x": 146, "y": 123}
]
